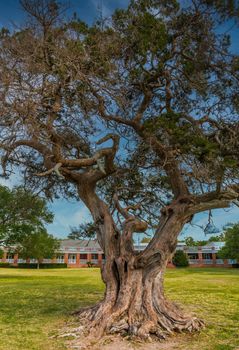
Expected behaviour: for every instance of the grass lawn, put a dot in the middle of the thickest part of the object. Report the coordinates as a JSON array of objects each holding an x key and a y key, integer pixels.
[{"x": 34, "y": 304}]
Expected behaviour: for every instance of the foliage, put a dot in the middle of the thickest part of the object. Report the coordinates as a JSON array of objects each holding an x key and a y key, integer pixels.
[
  {"x": 219, "y": 238},
  {"x": 231, "y": 248},
  {"x": 4, "y": 264},
  {"x": 83, "y": 231},
  {"x": 21, "y": 213},
  {"x": 89, "y": 264},
  {"x": 180, "y": 259},
  {"x": 150, "y": 50},
  {"x": 227, "y": 9},
  {"x": 190, "y": 242},
  {"x": 1, "y": 253},
  {"x": 38, "y": 245},
  {"x": 160, "y": 85}
]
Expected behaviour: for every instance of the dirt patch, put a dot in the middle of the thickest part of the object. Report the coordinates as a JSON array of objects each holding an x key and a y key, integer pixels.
[
  {"x": 77, "y": 338},
  {"x": 119, "y": 343}
]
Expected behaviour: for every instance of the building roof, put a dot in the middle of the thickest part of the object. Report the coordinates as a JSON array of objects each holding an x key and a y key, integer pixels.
[
  {"x": 79, "y": 243},
  {"x": 215, "y": 245},
  {"x": 74, "y": 245}
]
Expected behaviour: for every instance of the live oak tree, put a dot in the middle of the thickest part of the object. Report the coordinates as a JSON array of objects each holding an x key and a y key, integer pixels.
[
  {"x": 21, "y": 213},
  {"x": 138, "y": 118}
]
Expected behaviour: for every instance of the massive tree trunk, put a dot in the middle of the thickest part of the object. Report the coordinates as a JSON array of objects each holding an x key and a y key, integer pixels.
[
  {"x": 137, "y": 305},
  {"x": 134, "y": 301}
]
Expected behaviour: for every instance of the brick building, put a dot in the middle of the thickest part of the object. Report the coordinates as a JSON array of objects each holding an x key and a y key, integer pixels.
[{"x": 78, "y": 253}]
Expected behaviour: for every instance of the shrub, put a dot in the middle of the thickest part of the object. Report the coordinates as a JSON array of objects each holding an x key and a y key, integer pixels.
[
  {"x": 4, "y": 264},
  {"x": 235, "y": 266},
  {"x": 42, "y": 266},
  {"x": 180, "y": 259}
]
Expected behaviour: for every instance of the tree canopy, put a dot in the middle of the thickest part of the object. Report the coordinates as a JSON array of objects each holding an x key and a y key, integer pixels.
[
  {"x": 189, "y": 241},
  {"x": 180, "y": 259},
  {"x": 21, "y": 213},
  {"x": 38, "y": 245},
  {"x": 83, "y": 231},
  {"x": 231, "y": 248}
]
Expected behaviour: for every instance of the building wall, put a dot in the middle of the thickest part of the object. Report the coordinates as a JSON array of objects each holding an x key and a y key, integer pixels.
[{"x": 81, "y": 257}]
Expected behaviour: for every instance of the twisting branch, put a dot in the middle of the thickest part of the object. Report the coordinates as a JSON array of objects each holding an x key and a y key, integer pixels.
[
  {"x": 215, "y": 200},
  {"x": 143, "y": 106},
  {"x": 109, "y": 117},
  {"x": 54, "y": 169},
  {"x": 132, "y": 223},
  {"x": 113, "y": 137}
]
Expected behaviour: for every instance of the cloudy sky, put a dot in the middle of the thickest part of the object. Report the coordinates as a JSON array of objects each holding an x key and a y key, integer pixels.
[{"x": 73, "y": 213}]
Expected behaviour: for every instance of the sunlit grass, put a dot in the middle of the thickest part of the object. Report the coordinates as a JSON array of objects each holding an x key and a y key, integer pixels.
[{"x": 34, "y": 304}]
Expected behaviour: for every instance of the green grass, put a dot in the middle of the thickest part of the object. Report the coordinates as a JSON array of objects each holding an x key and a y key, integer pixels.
[{"x": 34, "y": 304}]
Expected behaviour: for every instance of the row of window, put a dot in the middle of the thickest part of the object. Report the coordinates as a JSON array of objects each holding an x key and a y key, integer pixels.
[
  {"x": 205, "y": 256},
  {"x": 70, "y": 256},
  {"x": 191, "y": 256}
]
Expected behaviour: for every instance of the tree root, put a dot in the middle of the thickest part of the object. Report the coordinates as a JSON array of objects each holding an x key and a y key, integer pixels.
[{"x": 99, "y": 320}]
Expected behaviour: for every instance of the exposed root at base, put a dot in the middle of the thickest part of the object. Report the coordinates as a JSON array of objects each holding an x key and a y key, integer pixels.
[{"x": 96, "y": 325}]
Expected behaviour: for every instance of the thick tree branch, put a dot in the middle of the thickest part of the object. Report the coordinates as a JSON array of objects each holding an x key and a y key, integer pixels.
[
  {"x": 132, "y": 223},
  {"x": 54, "y": 169},
  {"x": 214, "y": 200}
]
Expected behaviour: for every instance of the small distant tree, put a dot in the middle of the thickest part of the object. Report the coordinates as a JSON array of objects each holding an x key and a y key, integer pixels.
[
  {"x": 219, "y": 238},
  {"x": 231, "y": 248},
  {"x": 189, "y": 241},
  {"x": 38, "y": 245},
  {"x": 180, "y": 259}
]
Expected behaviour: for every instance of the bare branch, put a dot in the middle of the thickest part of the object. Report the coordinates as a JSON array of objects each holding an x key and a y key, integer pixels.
[{"x": 54, "y": 169}]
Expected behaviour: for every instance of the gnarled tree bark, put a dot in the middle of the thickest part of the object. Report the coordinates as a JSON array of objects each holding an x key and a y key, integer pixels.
[{"x": 134, "y": 301}]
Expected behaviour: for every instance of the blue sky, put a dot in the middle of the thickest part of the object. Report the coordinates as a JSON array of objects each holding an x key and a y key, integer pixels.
[{"x": 68, "y": 213}]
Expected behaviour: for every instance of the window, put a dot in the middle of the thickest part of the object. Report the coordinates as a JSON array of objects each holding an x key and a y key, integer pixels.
[
  {"x": 207, "y": 256},
  {"x": 94, "y": 256},
  {"x": 10, "y": 256},
  {"x": 193, "y": 256},
  {"x": 83, "y": 256},
  {"x": 60, "y": 257},
  {"x": 72, "y": 257}
]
